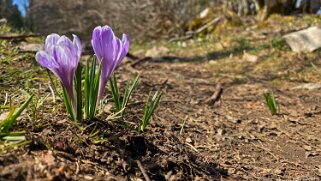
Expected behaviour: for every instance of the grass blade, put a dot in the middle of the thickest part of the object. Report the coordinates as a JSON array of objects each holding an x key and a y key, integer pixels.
[
  {"x": 14, "y": 138},
  {"x": 154, "y": 104},
  {"x": 87, "y": 90},
  {"x": 115, "y": 92},
  {"x": 91, "y": 87},
  {"x": 271, "y": 103}
]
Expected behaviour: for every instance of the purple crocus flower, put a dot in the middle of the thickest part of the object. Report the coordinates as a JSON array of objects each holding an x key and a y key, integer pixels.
[
  {"x": 61, "y": 56},
  {"x": 110, "y": 50}
]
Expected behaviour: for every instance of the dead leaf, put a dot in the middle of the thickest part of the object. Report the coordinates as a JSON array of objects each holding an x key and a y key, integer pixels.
[
  {"x": 3, "y": 116},
  {"x": 48, "y": 159}
]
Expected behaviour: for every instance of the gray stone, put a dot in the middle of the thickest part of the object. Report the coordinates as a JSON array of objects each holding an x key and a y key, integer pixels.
[{"x": 306, "y": 40}]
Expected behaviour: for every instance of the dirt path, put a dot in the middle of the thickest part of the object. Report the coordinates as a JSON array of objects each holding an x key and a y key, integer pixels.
[
  {"x": 238, "y": 133},
  {"x": 236, "y": 138}
]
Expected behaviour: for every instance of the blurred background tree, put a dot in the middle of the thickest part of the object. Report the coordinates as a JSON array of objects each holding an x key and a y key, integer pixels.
[
  {"x": 11, "y": 13},
  {"x": 140, "y": 19}
]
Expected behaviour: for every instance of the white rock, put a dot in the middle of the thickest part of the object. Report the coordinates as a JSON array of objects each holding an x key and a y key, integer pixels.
[
  {"x": 249, "y": 57},
  {"x": 204, "y": 13},
  {"x": 306, "y": 40},
  {"x": 309, "y": 86}
]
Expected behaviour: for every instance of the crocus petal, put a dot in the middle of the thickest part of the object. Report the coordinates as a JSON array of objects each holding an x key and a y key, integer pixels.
[
  {"x": 77, "y": 43},
  {"x": 108, "y": 46},
  {"x": 96, "y": 42},
  {"x": 45, "y": 60},
  {"x": 66, "y": 58},
  {"x": 51, "y": 40},
  {"x": 66, "y": 70},
  {"x": 124, "y": 51},
  {"x": 70, "y": 49},
  {"x": 108, "y": 42},
  {"x": 56, "y": 54},
  {"x": 65, "y": 41},
  {"x": 117, "y": 51}
]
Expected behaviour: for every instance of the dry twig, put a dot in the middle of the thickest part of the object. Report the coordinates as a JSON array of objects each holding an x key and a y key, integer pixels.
[
  {"x": 142, "y": 169},
  {"x": 216, "y": 96}
]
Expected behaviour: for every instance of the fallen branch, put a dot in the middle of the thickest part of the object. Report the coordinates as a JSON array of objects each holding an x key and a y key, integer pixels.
[
  {"x": 216, "y": 96},
  {"x": 18, "y": 37},
  {"x": 64, "y": 155},
  {"x": 131, "y": 56},
  {"x": 131, "y": 65},
  {"x": 27, "y": 51},
  {"x": 191, "y": 34},
  {"x": 207, "y": 25},
  {"x": 138, "y": 61}
]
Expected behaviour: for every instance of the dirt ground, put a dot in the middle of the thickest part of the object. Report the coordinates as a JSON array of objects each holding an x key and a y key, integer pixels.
[{"x": 189, "y": 138}]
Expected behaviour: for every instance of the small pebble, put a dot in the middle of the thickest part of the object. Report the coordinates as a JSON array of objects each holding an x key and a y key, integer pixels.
[
  {"x": 307, "y": 147},
  {"x": 188, "y": 140},
  {"x": 231, "y": 170},
  {"x": 220, "y": 131}
]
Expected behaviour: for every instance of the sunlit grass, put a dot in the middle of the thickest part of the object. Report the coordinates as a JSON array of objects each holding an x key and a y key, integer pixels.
[{"x": 8, "y": 137}]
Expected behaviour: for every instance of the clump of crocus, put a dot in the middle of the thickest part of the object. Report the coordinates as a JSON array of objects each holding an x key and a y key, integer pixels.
[{"x": 61, "y": 56}]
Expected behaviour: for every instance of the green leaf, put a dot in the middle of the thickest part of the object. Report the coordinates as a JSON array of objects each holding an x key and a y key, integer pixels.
[
  {"x": 154, "y": 105},
  {"x": 78, "y": 92},
  {"x": 150, "y": 107},
  {"x": 7, "y": 124},
  {"x": 271, "y": 102},
  {"x": 91, "y": 87},
  {"x": 115, "y": 92},
  {"x": 94, "y": 92},
  {"x": 92, "y": 81},
  {"x": 146, "y": 106},
  {"x": 87, "y": 90},
  {"x": 120, "y": 105},
  {"x": 68, "y": 105},
  {"x": 127, "y": 93}
]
